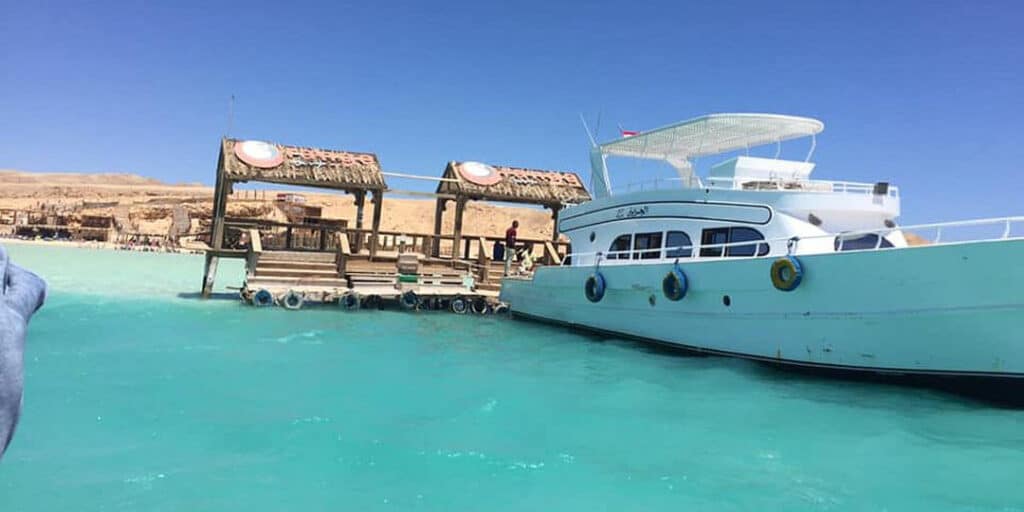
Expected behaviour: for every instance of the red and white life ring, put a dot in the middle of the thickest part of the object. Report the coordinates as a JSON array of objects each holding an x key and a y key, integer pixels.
[
  {"x": 479, "y": 173},
  {"x": 259, "y": 154}
]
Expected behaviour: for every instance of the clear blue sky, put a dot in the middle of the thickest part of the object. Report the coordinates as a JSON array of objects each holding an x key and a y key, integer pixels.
[{"x": 927, "y": 95}]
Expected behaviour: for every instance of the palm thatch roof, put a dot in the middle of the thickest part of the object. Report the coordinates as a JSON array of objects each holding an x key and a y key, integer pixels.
[
  {"x": 476, "y": 181},
  {"x": 295, "y": 165}
]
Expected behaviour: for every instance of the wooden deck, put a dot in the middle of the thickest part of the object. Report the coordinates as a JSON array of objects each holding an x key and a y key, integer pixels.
[{"x": 328, "y": 277}]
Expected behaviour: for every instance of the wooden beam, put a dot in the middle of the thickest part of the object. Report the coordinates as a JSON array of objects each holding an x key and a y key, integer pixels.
[
  {"x": 551, "y": 256},
  {"x": 554, "y": 220},
  {"x": 209, "y": 273},
  {"x": 460, "y": 207},
  {"x": 439, "y": 208},
  {"x": 220, "y": 192},
  {"x": 253, "y": 255},
  {"x": 343, "y": 254},
  {"x": 378, "y": 203},
  {"x": 360, "y": 201}
]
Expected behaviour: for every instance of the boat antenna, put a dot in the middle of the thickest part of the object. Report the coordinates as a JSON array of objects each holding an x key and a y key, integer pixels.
[
  {"x": 597, "y": 126},
  {"x": 593, "y": 143}
]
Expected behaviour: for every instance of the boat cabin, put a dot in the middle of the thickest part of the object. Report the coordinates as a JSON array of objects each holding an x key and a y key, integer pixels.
[{"x": 742, "y": 206}]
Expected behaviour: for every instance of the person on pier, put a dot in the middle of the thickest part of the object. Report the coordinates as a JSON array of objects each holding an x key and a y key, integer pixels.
[{"x": 510, "y": 246}]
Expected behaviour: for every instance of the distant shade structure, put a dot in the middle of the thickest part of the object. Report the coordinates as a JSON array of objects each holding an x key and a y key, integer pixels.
[
  {"x": 257, "y": 153},
  {"x": 479, "y": 173}
]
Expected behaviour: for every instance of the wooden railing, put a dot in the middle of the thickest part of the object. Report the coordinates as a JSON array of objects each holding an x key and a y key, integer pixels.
[
  {"x": 252, "y": 256},
  {"x": 472, "y": 247},
  {"x": 475, "y": 249},
  {"x": 283, "y": 236},
  {"x": 343, "y": 253}
]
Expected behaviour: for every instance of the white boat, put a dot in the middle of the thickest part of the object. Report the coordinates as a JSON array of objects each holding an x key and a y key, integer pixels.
[{"x": 755, "y": 259}]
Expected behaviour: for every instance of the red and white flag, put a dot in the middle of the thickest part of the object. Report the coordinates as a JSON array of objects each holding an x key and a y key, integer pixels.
[{"x": 627, "y": 133}]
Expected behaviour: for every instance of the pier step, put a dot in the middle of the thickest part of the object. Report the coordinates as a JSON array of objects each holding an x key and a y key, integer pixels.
[
  {"x": 296, "y": 257},
  {"x": 295, "y": 265},
  {"x": 271, "y": 283},
  {"x": 287, "y": 272}
]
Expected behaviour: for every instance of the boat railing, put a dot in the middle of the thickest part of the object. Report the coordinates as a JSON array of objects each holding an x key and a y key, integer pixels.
[
  {"x": 774, "y": 184},
  {"x": 942, "y": 233},
  {"x": 657, "y": 184},
  {"x": 709, "y": 251}
]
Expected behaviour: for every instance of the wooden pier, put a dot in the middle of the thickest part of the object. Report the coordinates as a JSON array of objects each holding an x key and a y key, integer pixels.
[{"x": 318, "y": 260}]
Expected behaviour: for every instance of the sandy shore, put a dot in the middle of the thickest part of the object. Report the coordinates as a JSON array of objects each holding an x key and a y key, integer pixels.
[
  {"x": 107, "y": 246},
  {"x": 148, "y": 204}
]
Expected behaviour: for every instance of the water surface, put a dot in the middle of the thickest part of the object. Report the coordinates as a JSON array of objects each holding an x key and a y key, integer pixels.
[{"x": 141, "y": 397}]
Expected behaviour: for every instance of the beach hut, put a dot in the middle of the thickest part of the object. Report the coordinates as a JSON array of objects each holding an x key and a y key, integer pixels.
[
  {"x": 243, "y": 161},
  {"x": 474, "y": 181}
]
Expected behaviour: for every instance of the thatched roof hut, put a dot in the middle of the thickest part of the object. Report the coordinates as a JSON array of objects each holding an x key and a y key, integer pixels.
[
  {"x": 294, "y": 165},
  {"x": 252, "y": 160},
  {"x": 480, "y": 182},
  {"x": 475, "y": 181}
]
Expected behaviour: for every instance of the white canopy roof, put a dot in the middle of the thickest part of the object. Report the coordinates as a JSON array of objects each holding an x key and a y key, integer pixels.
[{"x": 712, "y": 134}]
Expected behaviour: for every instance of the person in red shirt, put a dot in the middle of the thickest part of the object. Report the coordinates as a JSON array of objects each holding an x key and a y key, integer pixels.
[{"x": 510, "y": 246}]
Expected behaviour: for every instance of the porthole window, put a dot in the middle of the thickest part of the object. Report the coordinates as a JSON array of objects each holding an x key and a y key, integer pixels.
[{"x": 592, "y": 236}]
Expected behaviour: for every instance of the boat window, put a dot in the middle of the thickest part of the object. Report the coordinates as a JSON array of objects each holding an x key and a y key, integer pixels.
[
  {"x": 713, "y": 237},
  {"x": 746, "y": 235},
  {"x": 620, "y": 248},
  {"x": 861, "y": 242},
  {"x": 719, "y": 236},
  {"x": 678, "y": 245},
  {"x": 647, "y": 246}
]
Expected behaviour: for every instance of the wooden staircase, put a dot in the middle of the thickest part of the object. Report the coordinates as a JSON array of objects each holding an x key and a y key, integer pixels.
[{"x": 288, "y": 269}]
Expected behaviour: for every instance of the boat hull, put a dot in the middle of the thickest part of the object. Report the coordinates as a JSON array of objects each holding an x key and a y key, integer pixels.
[{"x": 951, "y": 310}]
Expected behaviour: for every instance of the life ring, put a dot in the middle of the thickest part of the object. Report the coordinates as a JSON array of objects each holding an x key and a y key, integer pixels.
[
  {"x": 787, "y": 273},
  {"x": 371, "y": 302},
  {"x": 409, "y": 300},
  {"x": 675, "y": 284},
  {"x": 459, "y": 305},
  {"x": 292, "y": 300},
  {"x": 432, "y": 303},
  {"x": 263, "y": 298},
  {"x": 479, "y": 306},
  {"x": 594, "y": 287},
  {"x": 500, "y": 308},
  {"x": 349, "y": 301}
]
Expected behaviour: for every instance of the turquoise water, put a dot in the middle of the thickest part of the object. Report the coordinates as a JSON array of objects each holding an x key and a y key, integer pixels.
[{"x": 141, "y": 397}]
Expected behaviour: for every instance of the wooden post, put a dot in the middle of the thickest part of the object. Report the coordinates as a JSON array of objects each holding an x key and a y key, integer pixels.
[
  {"x": 252, "y": 258},
  {"x": 342, "y": 256},
  {"x": 360, "y": 201},
  {"x": 554, "y": 219},
  {"x": 435, "y": 249},
  {"x": 482, "y": 260},
  {"x": 220, "y": 198},
  {"x": 378, "y": 203},
  {"x": 460, "y": 206},
  {"x": 209, "y": 273}
]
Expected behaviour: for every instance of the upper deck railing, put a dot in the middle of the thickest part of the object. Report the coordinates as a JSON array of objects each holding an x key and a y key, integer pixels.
[
  {"x": 935, "y": 234},
  {"x": 774, "y": 185}
]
